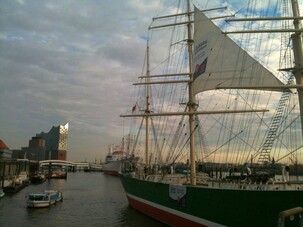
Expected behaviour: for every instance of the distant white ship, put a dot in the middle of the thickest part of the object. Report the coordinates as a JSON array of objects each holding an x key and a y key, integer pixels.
[
  {"x": 113, "y": 162},
  {"x": 118, "y": 160}
]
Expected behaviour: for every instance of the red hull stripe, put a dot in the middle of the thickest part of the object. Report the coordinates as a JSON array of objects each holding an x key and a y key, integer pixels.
[
  {"x": 167, "y": 215},
  {"x": 111, "y": 172}
]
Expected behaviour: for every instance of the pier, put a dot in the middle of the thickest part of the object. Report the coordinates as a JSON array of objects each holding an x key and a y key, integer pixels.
[
  {"x": 72, "y": 166},
  {"x": 16, "y": 174}
]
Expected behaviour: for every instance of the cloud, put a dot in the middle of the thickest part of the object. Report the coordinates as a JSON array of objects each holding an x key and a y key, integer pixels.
[
  {"x": 70, "y": 61},
  {"x": 75, "y": 61}
]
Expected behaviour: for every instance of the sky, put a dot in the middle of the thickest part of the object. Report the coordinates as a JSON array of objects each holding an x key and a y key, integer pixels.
[{"x": 71, "y": 61}]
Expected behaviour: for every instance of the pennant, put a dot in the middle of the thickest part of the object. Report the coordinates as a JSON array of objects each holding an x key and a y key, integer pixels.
[{"x": 134, "y": 108}]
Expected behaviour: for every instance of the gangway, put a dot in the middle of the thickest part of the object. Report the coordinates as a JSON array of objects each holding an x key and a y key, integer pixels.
[
  {"x": 264, "y": 155},
  {"x": 286, "y": 60}
]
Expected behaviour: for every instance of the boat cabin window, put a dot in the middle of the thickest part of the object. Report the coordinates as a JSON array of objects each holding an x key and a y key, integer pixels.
[{"x": 38, "y": 197}]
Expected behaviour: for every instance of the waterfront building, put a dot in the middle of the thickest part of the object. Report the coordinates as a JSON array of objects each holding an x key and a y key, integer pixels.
[
  {"x": 20, "y": 154},
  {"x": 36, "y": 149},
  {"x": 55, "y": 142},
  {"x": 51, "y": 145},
  {"x": 5, "y": 152}
]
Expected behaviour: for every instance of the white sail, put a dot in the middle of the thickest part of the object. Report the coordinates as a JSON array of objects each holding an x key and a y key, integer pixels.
[{"x": 219, "y": 61}]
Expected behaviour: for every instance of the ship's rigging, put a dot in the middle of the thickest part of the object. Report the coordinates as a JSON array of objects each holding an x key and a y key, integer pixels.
[{"x": 171, "y": 143}]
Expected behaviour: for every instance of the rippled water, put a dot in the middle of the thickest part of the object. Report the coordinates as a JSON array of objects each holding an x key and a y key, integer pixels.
[{"x": 90, "y": 199}]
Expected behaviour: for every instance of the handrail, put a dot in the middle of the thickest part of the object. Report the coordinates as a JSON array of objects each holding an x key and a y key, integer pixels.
[{"x": 290, "y": 212}]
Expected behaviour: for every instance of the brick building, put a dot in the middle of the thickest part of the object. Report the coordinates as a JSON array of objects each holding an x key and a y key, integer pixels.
[{"x": 5, "y": 152}]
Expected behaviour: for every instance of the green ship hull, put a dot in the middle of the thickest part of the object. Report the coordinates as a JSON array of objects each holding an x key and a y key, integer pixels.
[{"x": 208, "y": 206}]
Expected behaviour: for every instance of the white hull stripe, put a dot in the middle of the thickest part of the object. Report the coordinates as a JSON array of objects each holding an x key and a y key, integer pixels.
[{"x": 176, "y": 212}]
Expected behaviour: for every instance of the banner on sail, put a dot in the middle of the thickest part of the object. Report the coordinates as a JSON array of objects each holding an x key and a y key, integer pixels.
[{"x": 200, "y": 57}]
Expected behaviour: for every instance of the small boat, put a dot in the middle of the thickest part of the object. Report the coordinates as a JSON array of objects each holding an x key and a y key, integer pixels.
[
  {"x": 37, "y": 178},
  {"x": 44, "y": 199},
  {"x": 16, "y": 184},
  {"x": 59, "y": 174},
  {"x": 56, "y": 174}
]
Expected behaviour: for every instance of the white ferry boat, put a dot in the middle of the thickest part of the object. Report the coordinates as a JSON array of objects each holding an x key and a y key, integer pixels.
[{"x": 44, "y": 199}]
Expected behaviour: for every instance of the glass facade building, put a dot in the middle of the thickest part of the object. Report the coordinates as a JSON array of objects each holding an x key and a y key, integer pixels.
[
  {"x": 55, "y": 142},
  {"x": 51, "y": 145}
]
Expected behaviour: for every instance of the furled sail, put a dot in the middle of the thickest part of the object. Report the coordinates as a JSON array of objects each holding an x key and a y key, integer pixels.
[{"x": 219, "y": 61}]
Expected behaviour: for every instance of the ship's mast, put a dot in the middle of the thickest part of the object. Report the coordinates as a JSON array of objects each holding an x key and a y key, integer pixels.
[
  {"x": 298, "y": 55},
  {"x": 147, "y": 111},
  {"x": 191, "y": 101}
]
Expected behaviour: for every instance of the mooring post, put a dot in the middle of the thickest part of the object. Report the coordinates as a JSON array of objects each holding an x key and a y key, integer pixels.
[
  {"x": 49, "y": 170},
  {"x": 2, "y": 173}
]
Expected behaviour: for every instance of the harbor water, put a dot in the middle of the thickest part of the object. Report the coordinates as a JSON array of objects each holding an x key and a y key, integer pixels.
[{"x": 90, "y": 199}]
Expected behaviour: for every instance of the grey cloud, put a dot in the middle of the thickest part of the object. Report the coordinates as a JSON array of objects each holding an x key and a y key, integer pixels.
[{"x": 69, "y": 61}]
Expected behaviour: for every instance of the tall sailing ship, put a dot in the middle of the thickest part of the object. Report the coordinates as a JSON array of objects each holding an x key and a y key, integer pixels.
[{"x": 241, "y": 109}]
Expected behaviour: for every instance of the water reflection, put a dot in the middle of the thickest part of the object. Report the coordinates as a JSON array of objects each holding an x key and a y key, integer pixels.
[
  {"x": 130, "y": 217},
  {"x": 89, "y": 199}
]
